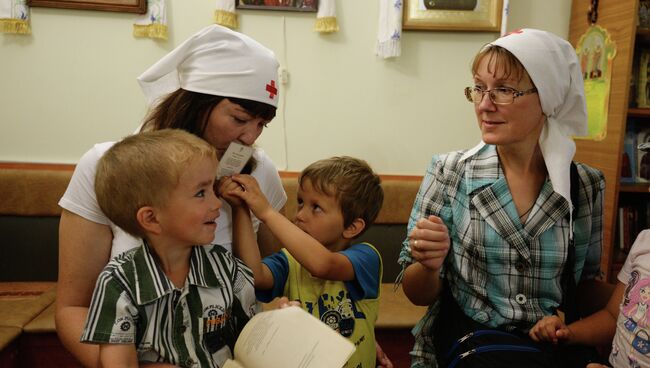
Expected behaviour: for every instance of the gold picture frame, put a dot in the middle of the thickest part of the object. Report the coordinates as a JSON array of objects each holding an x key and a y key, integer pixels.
[
  {"x": 286, "y": 5},
  {"x": 128, "y": 6},
  {"x": 453, "y": 15}
]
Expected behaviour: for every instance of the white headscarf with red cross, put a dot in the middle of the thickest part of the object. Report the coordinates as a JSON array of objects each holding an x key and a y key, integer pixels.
[{"x": 216, "y": 61}]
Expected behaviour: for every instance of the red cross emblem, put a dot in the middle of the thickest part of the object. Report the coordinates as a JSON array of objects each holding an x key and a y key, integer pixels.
[
  {"x": 515, "y": 32},
  {"x": 270, "y": 88}
]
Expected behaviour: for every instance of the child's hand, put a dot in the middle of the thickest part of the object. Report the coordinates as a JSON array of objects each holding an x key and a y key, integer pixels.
[
  {"x": 429, "y": 242},
  {"x": 284, "y": 302},
  {"x": 226, "y": 188},
  {"x": 550, "y": 329},
  {"x": 252, "y": 195},
  {"x": 382, "y": 359}
]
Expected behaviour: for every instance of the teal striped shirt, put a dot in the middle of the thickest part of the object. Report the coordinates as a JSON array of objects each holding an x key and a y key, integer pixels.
[{"x": 195, "y": 326}]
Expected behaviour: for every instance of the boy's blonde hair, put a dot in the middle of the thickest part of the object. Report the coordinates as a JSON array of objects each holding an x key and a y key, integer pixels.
[
  {"x": 142, "y": 170},
  {"x": 352, "y": 182}
]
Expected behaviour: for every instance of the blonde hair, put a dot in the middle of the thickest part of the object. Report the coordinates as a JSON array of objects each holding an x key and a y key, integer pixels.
[
  {"x": 352, "y": 182},
  {"x": 500, "y": 61},
  {"x": 142, "y": 170}
]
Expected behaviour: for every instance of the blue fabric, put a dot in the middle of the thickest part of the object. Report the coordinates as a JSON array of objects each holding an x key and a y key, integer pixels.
[
  {"x": 365, "y": 262},
  {"x": 279, "y": 266}
]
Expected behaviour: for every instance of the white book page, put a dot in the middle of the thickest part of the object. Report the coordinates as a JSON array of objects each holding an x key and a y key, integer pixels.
[
  {"x": 232, "y": 364},
  {"x": 290, "y": 338}
]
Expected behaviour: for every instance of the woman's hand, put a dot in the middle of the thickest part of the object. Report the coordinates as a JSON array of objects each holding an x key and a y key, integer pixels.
[
  {"x": 251, "y": 193},
  {"x": 550, "y": 329},
  {"x": 225, "y": 189},
  {"x": 429, "y": 242}
]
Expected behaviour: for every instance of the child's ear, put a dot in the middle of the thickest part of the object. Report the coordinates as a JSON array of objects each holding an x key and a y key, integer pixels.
[
  {"x": 354, "y": 229},
  {"x": 147, "y": 220}
]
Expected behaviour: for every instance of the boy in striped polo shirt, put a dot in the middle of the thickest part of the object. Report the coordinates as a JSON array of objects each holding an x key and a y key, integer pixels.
[{"x": 168, "y": 300}]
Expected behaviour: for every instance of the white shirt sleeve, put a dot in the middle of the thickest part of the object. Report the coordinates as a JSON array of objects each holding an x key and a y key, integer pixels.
[
  {"x": 79, "y": 198},
  {"x": 637, "y": 259}
]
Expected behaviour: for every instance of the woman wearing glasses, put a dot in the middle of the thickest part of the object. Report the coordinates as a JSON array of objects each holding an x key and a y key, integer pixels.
[{"x": 491, "y": 227}]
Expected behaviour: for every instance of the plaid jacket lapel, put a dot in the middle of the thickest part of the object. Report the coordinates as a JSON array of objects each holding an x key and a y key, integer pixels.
[
  {"x": 490, "y": 196},
  {"x": 491, "y": 203},
  {"x": 550, "y": 208}
]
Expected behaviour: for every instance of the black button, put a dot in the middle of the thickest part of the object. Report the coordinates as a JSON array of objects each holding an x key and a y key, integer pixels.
[{"x": 183, "y": 328}]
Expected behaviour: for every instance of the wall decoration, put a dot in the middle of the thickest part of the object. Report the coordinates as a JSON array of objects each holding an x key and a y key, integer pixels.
[
  {"x": 129, "y": 6},
  {"x": 453, "y": 15},
  {"x": 14, "y": 17},
  {"x": 152, "y": 24},
  {"x": 389, "y": 33},
  {"x": 293, "y": 5},
  {"x": 225, "y": 14},
  {"x": 326, "y": 22},
  {"x": 596, "y": 52}
]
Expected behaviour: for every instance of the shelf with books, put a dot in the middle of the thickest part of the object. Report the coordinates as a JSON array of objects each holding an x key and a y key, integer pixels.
[
  {"x": 635, "y": 188},
  {"x": 618, "y": 260},
  {"x": 633, "y": 216},
  {"x": 635, "y": 112},
  {"x": 643, "y": 35}
]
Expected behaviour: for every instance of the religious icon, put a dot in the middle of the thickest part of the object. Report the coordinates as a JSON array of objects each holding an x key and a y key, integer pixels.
[{"x": 596, "y": 51}]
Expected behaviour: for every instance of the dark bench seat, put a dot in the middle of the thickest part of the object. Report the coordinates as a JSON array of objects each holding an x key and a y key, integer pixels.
[{"x": 29, "y": 217}]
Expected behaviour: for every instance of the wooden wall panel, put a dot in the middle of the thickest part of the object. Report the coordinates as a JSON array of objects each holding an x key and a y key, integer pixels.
[{"x": 618, "y": 17}]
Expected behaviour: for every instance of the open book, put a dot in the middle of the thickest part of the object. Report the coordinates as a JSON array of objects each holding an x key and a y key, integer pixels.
[{"x": 289, "y": 338}]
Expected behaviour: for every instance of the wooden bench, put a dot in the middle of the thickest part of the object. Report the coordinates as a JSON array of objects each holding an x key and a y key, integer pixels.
[{"x": 29, "y": 217}]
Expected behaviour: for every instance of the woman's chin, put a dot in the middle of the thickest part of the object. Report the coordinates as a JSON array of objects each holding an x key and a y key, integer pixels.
[{"x": 490, "y": 138}]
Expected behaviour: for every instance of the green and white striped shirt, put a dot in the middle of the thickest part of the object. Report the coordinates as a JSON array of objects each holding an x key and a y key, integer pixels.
[{"x": 135, "y": 303}]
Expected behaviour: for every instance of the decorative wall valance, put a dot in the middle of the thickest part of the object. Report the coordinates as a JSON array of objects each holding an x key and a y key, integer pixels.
[{"x": 14, "y": 17}]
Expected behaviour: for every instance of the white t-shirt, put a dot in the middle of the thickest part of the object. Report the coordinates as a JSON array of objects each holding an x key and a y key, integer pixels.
[
  {"x": 631, "y": 345},
  {"x": 80, "y": 198}
]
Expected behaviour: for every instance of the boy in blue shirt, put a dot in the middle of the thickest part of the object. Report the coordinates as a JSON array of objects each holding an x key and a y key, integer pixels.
[{"x": 336, "y": 280}]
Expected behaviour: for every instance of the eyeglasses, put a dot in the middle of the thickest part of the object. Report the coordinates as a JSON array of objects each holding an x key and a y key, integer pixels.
[{"x": 498, "y": 96}]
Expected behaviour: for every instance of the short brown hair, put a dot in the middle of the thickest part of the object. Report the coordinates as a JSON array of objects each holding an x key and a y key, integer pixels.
[
  {"x": 500, "y": 61},
  {"x": 352, "y": 182},
  {"x": 142, "y": 170}
]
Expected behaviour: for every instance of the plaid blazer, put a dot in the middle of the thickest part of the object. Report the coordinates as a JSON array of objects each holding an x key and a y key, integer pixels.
[{"x": 502, "y": 272}]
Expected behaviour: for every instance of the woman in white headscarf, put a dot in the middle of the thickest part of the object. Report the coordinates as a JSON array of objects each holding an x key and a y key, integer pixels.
[
  {"x": 219, "y": 85},
  {"x": 491, "y": 229}
]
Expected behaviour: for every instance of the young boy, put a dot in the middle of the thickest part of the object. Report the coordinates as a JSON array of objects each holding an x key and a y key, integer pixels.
[
  {"x": 335, "y": 280},
  {"x": 626, "y": 317},
  {"x": 168, "y": 300}
]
